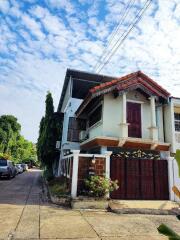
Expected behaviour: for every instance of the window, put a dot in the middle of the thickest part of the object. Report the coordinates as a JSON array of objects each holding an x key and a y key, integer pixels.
[
  {"x": 95, "y": 116},
  {"x": 177, "y": 121},
  {"x": 74, "y": 127},
  {"x": 3, "y": 163}
]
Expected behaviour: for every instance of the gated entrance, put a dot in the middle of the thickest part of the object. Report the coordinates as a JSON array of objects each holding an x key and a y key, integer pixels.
[{"x": 143, "y": 179}]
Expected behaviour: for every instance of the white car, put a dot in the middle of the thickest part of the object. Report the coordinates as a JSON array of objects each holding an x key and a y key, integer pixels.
[
  {"x": 19, "y": 168},
  {"x": 7, "y": 168}
]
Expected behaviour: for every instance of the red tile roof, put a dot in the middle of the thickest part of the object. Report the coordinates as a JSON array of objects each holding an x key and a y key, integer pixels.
[
  {"x": 132, "y": 81},
  {"x": 126, "y": 84}
]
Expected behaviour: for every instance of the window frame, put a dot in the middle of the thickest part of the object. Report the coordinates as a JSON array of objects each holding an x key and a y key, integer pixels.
[
  {"x": 176, "y": 121},
  {"x": 71, "y": 130},
  {"x": 92, "y": 112}
]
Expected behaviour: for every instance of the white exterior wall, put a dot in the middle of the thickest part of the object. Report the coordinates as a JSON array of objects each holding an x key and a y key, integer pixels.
[
  {"x": 175, "y": 103},
  {"x": 169, "y": 128},
  {"x": 112, "y": 116},
  {"x": 69, "y": 107},
  {"x": 67, "y": 96},
  {"x": 96, "y": 130},
  {"x": 69, "y": 111},
  {"x": 169, "y": 124},
  {"x": 160, "y": 124}
]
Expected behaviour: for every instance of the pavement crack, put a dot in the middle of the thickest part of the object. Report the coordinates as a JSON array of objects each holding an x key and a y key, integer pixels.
[
  {"x": 85, "y": 219},
  {"x": 27, "y": 198}
]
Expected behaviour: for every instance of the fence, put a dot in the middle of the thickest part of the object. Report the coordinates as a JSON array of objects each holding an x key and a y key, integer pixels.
[{"x": 76, "y": 167}]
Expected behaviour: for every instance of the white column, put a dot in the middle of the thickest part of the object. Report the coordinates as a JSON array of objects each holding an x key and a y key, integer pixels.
[
  {"x": 108, "y": 154},
  {"x": 124, "y": 110},
  {"x": 74, "y": 182},
  {"x": 153, "y": 111},
  {"x": 173, "y": 146},
  {"x": 153, "y": 128},
  {"x": 123, "y": 123}
]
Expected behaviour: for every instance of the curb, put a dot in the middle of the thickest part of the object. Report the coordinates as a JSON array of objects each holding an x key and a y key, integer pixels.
[
  {"x": 145, "y": 211},
  {"x": 60, "y": 201}
]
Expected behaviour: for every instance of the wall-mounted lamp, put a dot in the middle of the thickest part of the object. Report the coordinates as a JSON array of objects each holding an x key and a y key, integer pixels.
[{"x": 93, "y": 160}]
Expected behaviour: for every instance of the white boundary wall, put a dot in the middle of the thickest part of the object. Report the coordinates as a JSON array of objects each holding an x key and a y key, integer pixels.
[{"x": 174, "y": 179}]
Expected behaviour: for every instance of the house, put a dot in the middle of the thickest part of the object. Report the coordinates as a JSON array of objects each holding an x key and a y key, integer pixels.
[
  {"x": 129, "y": 124},
  {"x": 172, "y": 128},
  {"x": 76, "y": 87}
]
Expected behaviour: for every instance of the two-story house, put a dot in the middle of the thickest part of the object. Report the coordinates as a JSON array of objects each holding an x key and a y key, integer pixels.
[{"x": 132, "y": 117}]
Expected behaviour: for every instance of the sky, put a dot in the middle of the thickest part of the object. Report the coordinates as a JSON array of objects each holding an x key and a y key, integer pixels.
[{"x": 40, "y": 39}]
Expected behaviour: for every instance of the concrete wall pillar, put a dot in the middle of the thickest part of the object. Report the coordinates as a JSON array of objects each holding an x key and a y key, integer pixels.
[
  {"x": 75, "y": 173},
  {"x": 108, "y": 155},
  {"x": 174, "y": 179},
  {"x": 171, "y": 178}
]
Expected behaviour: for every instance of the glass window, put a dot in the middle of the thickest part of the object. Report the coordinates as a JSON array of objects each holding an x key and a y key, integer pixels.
[
  {"x": 3, "y": 163},
  {"x": 177, "y": 122},
  {"x": 95, "y": 116},
  {"x": 74, "y": 127}
]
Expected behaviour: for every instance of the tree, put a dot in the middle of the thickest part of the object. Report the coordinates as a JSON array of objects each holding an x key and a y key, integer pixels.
[
  {"x": 12, "y": 144},
  {"x": 9, "y": 132},
  {"x": 49, "y": 133}
]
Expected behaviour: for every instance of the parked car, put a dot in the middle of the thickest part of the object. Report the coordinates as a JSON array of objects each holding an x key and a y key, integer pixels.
[
  {"x": 7, "y": 169},
  {"x": 24, "y": 166},
  {"x": 19, "y": 167}
]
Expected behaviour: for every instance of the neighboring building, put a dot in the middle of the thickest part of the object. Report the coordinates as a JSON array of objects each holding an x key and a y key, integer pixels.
[
  {"x": 76, "y": 86},
  {"x": 172, "y": 127},
  {"x": 132, "y": 117}
]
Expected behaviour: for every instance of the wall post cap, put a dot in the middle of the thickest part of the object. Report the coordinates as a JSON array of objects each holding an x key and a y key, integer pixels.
[
  {"x": 108, "y": 153},
  {"x": 75, "y": 151}
]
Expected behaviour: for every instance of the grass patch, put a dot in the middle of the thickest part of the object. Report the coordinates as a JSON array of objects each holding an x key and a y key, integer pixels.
[{"x": 59, "y": 187}]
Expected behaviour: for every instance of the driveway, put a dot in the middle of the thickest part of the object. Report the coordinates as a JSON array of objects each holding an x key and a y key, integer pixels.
[{"x": 25, "y": 214}]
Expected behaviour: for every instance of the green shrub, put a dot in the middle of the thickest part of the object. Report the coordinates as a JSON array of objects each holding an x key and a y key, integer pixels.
[
  {"x": 99, "y": 186},
  {"x": 58, "y": 186}
]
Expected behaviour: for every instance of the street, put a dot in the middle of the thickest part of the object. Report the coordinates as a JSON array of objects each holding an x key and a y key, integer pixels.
[{"x": 25, "y": 214}]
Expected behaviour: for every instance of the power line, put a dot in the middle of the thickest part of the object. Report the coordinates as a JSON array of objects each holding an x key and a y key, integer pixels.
[
  {"x": 124, "y": 35},
  {"x": 115, "y": 31},
  {"x": 132, "y": 25}
]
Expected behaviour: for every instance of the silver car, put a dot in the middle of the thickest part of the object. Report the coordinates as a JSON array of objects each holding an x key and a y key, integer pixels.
[{"x": 7, "y": 169}]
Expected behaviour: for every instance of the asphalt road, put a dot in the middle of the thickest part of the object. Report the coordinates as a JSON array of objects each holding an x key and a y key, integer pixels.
[{"x": 25, "y": 214}]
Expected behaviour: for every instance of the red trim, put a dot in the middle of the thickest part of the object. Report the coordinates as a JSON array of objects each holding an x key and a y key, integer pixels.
[
  {"x": 131, "y": 80},
  {"x": 141, "y": 77}
]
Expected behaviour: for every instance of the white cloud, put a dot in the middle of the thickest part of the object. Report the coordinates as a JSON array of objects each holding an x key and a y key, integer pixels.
[
  {"x": 47, "y": 39},
  {"x": 33, "y": 26},
  {"x": 62, "y": 4},
  {"x": 4, "y": 6}
]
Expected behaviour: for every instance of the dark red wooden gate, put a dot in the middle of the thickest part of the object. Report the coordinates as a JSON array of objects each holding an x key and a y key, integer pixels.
[
  {"x": 142, "y": 179},
  {"x": 134, "y": 119}
]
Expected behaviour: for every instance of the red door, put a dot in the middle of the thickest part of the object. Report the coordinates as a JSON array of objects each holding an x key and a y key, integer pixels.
[{"x": 134, "y": 119}]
